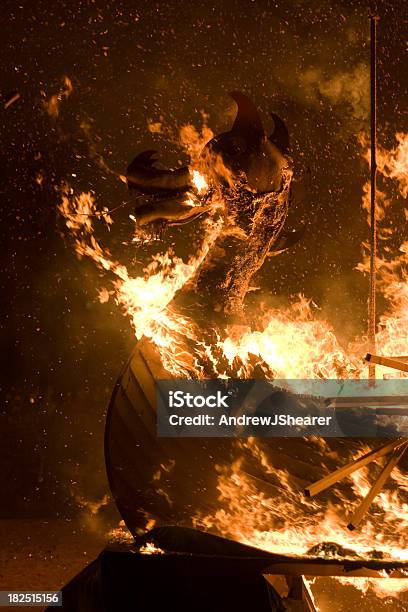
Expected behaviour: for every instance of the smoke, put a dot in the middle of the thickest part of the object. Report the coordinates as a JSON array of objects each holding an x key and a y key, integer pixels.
[{"x": 345, "y": 87}]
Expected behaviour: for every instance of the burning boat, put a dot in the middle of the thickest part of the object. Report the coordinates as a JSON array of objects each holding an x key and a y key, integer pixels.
[
  {"x": 192, "y": 322},
  {"x": 234, "y": 488}
]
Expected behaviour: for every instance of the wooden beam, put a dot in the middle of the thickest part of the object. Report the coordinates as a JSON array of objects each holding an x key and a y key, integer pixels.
[
  {"x": 307, "y": 597},
  {"x": 324, "y": 567},
  {"x": 387, "y": 362},
  {"x": 377, "y": 486},
  {"x": 299, "y": 592},
  {"x": 371, "y": 400},
  {"x": 372, "y": 326},
  {"x": 351, "y": 467}
]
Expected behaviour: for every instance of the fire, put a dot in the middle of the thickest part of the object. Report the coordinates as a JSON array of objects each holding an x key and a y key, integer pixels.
[
  {"x": 199, "y": 182},
  {"x": 392, "y": 336},
  {"x": 193, "y": 141},
  {"x": 292, "y": 343},
  {"x": 282, "y": 520},
  {"x": 120, "y": 534},
  {"x": 146, "y": 298},
  {"x": 382, "y": 587},
  {"x": 151, "y": 549},
  {"x": 295, "y": 344},
  {"x": 393, "y": 164}
]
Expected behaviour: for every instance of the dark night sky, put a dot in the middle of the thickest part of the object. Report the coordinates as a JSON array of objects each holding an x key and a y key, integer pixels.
[{"x": 130, "y": 62}]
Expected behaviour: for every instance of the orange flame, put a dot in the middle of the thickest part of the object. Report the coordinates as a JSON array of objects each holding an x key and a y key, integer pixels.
[
  {"x": 294, "y": 344},
  {"x": 280, "y": 519}
]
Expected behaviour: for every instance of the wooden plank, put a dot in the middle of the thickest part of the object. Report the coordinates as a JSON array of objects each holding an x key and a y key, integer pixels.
[
  {"x": 388, "y": 362},
  {"x": 380, "y": 400},
  {"x": 299, "y": 591},
  {"x": 151, "y": 356},
  {"x": 307, "y": 597},
  {"x": 132, "y": 437},
  {"x": 351, "y": 467},
  {"x": 351, "y": 569},
  {"x": 141, "y": 404},
  {"x": 377, "y": 486},
  {"x": 143, "y": 375}
]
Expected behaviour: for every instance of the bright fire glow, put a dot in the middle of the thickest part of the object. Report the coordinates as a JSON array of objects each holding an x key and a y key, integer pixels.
[
  {"x": 199, "y": 182},
  {"x": 294, "y": 343}
]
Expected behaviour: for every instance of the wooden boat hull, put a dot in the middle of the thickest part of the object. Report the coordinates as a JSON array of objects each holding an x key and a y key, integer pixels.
[{"x": 174, "y": 480}]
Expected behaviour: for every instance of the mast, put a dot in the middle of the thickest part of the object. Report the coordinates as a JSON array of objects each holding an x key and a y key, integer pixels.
[{"x": 373, "y": 182}]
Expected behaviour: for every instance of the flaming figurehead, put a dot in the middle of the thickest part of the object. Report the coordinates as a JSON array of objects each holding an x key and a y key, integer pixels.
[{"x": 241, "y": 177}]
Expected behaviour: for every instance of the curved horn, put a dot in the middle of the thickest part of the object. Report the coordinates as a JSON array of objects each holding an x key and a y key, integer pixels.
[
  {"x": 280, "y": 134},
  {"x": 146, "y": 158},
  {"x": 141, "y": 174},
  {"x": 169, "y": 211},
  {"x": 286, "y": 240},
  {"x": 247, "y": 122}
]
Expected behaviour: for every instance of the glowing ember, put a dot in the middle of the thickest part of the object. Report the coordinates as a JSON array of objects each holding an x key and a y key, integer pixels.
[
  {"x": 199, "y": 181},
  {"x": 151, "y": 549},
  {"x": 120, "y": 534}
]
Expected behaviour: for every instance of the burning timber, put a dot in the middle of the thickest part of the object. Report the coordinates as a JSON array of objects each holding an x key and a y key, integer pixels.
[{"x": 247, "y": 490}]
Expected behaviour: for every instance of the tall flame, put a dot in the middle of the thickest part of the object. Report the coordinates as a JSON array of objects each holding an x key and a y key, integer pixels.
[{"x": 145, "y": 299}]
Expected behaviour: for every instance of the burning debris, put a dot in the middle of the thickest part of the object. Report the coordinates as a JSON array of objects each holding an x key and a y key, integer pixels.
[
  {"x": 151, "y": 549},
  {"x": 396, "y": 448},
  {"x": 11, "y": 99}
]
